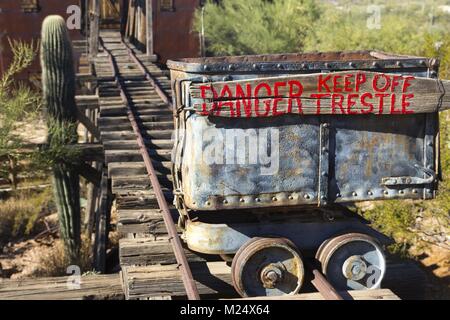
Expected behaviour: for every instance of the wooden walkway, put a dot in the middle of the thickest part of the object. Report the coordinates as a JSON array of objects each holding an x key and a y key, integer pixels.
[{"x": 144, "y": 242}]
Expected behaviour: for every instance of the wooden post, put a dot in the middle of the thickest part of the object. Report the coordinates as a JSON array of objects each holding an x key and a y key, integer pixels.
[
  {"x": 94, "y": 18},
  {"x": 92, "y": 204},
  {"x": 102, "y": 224},
  {"x": 149, "y": 23}
]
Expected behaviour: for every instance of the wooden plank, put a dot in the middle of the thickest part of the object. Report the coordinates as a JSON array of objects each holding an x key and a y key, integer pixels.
[
  {"x": 378, "y": 294},
  {"x": 132, "y": 144},
  {"x": 138, "y": 185},
  {"x": 350, "y": 92},
  {"x": 145, "y": 221},
  {"x": 148, "y": 251},
  {"x": 62, "y": 288},
  {"x": 86, "y": 77},
  {"x": 87, "y": 102},
  {"x": 134, "y": 199},
  {"x": 137, "y": 168},
  {"x": 212, "y": 278},
  {"x": 90, "y": 151},
  {"x": 135, "y": 155}
]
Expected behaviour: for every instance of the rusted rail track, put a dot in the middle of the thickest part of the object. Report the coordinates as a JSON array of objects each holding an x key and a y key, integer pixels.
[
  {"x": 136, "y": 120},
  {"x": 190, "y": 286}
]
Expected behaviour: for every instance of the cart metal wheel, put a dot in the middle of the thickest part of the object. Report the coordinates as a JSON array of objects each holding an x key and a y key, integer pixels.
[
  {"x": 352, "y": 261},
  {"x": 267, "y": 267}
]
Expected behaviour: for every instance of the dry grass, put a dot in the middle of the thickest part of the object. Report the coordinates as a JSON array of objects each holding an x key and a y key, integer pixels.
[
  {"x": 54, "y": 262},
  {"x": 19, "y": 215}
]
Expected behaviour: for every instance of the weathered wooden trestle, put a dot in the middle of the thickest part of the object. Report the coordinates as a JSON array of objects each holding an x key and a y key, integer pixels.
[{"x": 135, "y": 121}]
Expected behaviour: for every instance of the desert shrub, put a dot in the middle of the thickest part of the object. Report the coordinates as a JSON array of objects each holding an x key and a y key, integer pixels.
[
  {"x": 236, "y": 27},
  {"x": 20, "y": 213},
  {"x": 54, "y": 262},
  {"x": 18, "y": 103}
]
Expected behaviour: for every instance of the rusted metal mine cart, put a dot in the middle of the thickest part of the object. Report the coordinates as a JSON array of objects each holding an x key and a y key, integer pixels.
[{"x": 269, "y": 148}]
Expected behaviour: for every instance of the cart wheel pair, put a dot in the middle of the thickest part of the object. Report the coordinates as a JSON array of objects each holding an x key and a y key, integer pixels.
[{"x": 274, "y": 266}]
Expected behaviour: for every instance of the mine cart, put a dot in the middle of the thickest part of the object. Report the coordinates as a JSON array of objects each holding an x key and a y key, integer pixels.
[{"x": 269, "y": 149}]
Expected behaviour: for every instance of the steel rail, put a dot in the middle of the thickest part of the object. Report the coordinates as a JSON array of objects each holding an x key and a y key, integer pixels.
[
  {"x": 186, "y": 273},
  {"x": 148, "y": 76},
  {"x": 322, "y": 285}
]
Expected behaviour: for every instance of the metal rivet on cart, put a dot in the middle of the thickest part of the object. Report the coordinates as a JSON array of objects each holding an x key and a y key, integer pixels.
[
  {"x": 258, "y": 200},
  {"x": 291, "y": 198},
  {"x": 306, "y": 196},
  {"x": 241, "y": 200},
  {"x": 274, "y": 199},
  {"x": 225, "y": 201},
  {"x": 370, "y": 193},
  {"x": 386, "y": 192},
  {"x": 354, "y": 194},
  {"x": 414, "y": 191}
]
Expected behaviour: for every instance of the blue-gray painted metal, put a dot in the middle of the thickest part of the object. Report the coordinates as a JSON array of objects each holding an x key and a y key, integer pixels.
[{"x": 322, "y": 159}]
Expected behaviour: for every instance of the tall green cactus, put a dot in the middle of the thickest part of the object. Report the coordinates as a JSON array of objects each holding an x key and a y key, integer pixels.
[{"x": 58, "y": 82}]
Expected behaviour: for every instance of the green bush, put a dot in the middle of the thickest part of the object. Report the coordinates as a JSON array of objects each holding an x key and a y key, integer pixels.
[{"x": 237, "y": 27}]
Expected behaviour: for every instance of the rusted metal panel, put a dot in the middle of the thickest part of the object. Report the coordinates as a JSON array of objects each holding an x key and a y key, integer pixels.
[
  {"x": 322, "y": 159},
  {"x": 290, "y": 179}
]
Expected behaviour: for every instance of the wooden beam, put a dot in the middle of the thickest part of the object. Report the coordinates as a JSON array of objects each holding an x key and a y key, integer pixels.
[
  {"x": 95, "y": 26},
  {"x": 90, "y": 173},
  {"x": 149, "y": 23},
  {"x": 85, "y": 121},
  {"x": 90, "y": 287},
  {"x": 90, "y": 151},
  {"x": 87, "y": 102}
]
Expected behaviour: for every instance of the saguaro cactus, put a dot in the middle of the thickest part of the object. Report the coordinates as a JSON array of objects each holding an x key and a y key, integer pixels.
[{"x": 58, "y": 82}]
